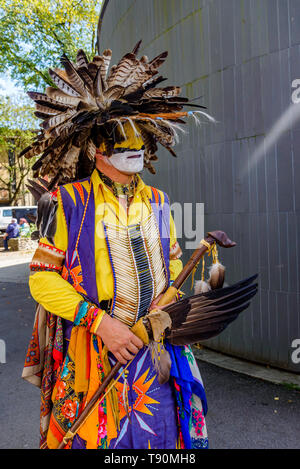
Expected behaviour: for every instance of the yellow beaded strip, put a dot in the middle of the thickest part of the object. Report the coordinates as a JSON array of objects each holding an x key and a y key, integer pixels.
[{"x": 211, "y": 248}]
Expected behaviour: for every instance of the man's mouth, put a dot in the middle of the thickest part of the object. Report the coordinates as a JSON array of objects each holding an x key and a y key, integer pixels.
[{"x": 133, "y": 156}]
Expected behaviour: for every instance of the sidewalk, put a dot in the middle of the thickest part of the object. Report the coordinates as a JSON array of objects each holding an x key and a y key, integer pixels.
[
  {"x": 14, "y": 266},
  {"x": 272, "y": 375}
]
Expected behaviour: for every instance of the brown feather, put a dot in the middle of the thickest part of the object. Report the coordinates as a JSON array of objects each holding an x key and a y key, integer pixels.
[
  {"x": 161, "y": 361},
  {"x": 46, "y": 110},
  {"x": 41, "y": 115},
  {"x": 90, "y": 150},
  {"x": 62, "y": 84},
  {"x": 58, "y": 119},
  {"x": 165, "y": 93},
  {"x": 81, "y": 59},
  {"x": 36, "y": 189},
  {"x": 74, "y": 77},
  {"x": 86, "y": 77},
  {"x": 149, "y": 141},
  {"x": 113, "y": 93},
  {"x": 137, "y": 47},
  {"x": 106, "y": 58},
  {"x": 44, "y": 100},
  {"x": 92, "y": 68},
  {"x": 126, "y": 65},
  {"x": 34, "y": 150},
  {"x": 98, "y": 84},
  {"x": 216, "y": 275},
  {"x": 158, "y": 60},
  {"x": 62, "y": 97}
]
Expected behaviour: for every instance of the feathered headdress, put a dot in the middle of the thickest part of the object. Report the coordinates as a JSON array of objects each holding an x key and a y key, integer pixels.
[{"x": 90, "y": 106}]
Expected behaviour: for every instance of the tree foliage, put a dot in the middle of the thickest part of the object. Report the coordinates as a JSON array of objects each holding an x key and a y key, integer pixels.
[
  {"x": 34, "y": 33},
  {"x": 17, "y": 124}
]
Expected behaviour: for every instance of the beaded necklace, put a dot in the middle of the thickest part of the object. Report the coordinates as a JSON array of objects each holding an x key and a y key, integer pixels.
[{"x": 120, "y": 190}]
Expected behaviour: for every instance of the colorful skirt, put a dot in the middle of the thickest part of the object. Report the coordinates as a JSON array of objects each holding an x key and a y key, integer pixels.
[{"x": 147, "y": 409}]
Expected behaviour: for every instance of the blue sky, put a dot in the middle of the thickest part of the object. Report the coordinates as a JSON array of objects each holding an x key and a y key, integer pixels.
[{"x": 7, "y": 86}]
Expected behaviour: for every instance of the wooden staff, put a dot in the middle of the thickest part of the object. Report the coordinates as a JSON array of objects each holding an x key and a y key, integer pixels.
[{"x": 212, "y": 237}]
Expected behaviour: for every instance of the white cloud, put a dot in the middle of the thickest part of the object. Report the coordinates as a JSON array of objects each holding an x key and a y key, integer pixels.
[{"x": 7, "y": 86}]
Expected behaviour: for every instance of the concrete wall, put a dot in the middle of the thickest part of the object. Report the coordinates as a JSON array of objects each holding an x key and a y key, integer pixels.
[{"x": 241, "y": 56}]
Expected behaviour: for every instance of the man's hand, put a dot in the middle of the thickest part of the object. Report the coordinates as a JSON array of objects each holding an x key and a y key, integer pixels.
[
  {"x": 119, "y": 339},
  {"x": 155, "y": 302}
]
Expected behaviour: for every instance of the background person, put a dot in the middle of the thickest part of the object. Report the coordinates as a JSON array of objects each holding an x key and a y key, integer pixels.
[
  {"x": 24, "y": 227},
  {"x": 12, "y": 231}
]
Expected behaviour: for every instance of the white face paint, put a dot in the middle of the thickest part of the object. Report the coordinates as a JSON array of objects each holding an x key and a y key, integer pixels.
[{"x": 128, "y": 162}]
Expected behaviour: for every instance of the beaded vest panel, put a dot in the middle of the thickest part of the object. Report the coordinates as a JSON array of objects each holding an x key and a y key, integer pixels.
[{"x": 138, "y": 267}]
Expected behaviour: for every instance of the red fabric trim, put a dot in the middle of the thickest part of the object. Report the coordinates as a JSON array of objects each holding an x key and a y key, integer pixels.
[
  {"x": 54, "y": 194},
  {"x": 58, "y": 359},
  {"x": 39, "y": 266},
  {"x": 156, "y": 196},
  {"x": 52, "y": 248}
]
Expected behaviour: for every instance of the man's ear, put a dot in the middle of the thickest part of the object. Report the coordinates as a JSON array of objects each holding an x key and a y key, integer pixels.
[
  {"x": 101, "y": 160},
  {"x": 99, "y": 156}
]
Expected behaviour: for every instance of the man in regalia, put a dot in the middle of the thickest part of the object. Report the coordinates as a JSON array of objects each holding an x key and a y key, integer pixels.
[{"x": 107, "y": 252}]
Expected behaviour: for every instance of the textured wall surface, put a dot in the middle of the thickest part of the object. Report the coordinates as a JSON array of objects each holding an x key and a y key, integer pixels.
[{"x": 241, "y": 56}]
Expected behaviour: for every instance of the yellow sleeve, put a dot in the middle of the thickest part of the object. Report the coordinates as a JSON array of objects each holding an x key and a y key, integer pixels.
[
  {"x": 48, "y": 288},
  {"x": 175, "y": 252},
  {"x": 54, "y": 293},
  {"x": 61, "y": 234}
]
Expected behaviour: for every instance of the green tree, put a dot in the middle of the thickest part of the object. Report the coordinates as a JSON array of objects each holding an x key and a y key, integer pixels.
[
  {"x": 34, "y": 33},
  {"x": 17, "y": 124}
]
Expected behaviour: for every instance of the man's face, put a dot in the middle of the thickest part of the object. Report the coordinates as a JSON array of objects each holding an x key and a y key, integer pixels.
[
  {"x": 128, "y": 156},
  {"x": 130, "y": 161}
]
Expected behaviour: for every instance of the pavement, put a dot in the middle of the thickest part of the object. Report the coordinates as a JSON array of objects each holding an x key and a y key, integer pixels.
[
  {"x": 244, "y": 411},
  {"x": 264, "y": 372},
  {"x": 14, "y": 266}
]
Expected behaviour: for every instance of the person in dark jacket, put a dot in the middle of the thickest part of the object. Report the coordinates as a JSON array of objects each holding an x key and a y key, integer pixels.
[{"x": 12, "y": 231}]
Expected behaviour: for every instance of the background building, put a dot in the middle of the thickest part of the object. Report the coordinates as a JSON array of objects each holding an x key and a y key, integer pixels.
[
  {"x": 14, "y": 173},
  {"x": 242, "y": 57}
]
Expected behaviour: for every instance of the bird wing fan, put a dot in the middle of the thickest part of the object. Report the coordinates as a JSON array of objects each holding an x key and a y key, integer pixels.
[{"x": 204, "y": 316}]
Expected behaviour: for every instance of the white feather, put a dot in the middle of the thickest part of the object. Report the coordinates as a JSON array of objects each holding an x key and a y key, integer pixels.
[
  {"x": 174, "y": 127},
  {"x": 197, "y": 118},
  {"x": 201, "y": 287},
  {"x": 136, "y": 132}
]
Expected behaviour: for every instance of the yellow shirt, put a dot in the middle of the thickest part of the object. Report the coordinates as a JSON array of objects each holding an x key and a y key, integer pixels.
[{"x": 56, "y": 294}]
